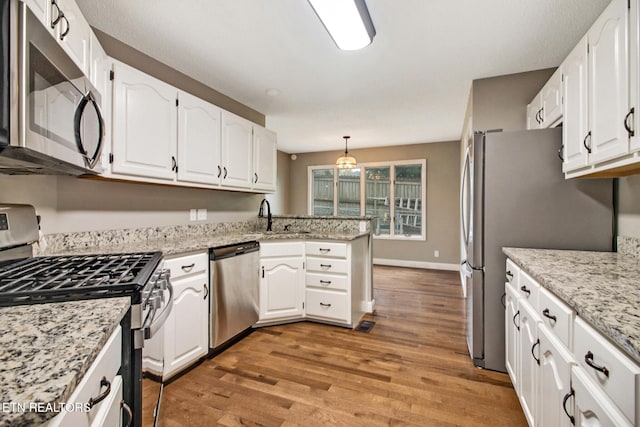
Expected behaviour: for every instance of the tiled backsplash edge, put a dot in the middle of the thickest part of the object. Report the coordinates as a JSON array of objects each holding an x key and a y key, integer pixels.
[
  {"x": 86, "y": 239},
  {"x": 629, "y": 246}
]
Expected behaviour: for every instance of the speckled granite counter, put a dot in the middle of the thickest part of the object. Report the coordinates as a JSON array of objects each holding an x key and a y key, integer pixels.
[
  {"x": 45, "y": 349},
  {"x": 602, "y": 287}
]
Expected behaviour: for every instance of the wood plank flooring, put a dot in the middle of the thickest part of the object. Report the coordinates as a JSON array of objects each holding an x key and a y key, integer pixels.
[{"x": 413, "y": 368}]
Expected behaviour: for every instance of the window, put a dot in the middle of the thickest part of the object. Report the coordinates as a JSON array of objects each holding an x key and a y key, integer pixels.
[{"x": 391, "y": 192}]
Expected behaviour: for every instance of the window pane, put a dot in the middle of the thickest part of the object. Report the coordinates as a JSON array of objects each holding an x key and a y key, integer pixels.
[
  {"x": 377, "y": 186},
  {"x": 408, "y": 200},
  {"x": 349, "y": 192},
  {"x": 322, "y": 187}
]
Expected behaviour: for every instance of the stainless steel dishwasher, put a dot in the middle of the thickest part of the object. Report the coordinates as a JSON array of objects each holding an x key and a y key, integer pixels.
[{"x": 233, "y": 306}]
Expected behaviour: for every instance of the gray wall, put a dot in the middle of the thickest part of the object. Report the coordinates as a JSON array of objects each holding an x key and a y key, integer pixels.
[
  {"x": 71, "y": 204},
  {"x": 500, "y": 102},
  {"x": 280, "y": 200},
  {"x": 629, "y": 206},
  {"x": 443, "y": 182}
]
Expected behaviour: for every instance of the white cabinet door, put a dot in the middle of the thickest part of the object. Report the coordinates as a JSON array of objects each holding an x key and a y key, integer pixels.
[
  {"x": 555, "y": 380},
  {"x": 592, "y": 408},
  {"x": 574, "y": 127},
  {"x": 551, "y": 99},
  {"x": 237, "y": 143},
  {"x": 528, "y": 354},
  {"x": 73, "y": 33},
  {"x": 281, "y": 288},
  {"x": 186, "y": 333},
  {"x": 144, "y": 125},
  {"x": 42, "y": 10},
  {"x": 511, "y": 336},
  {"x": 198, "y": 140},
  {"x": 608, "y": 83},
  {"x": 533, "y": 113},
  {"x": 264, "y": 159},
  {"x": 634, "y": 75}
]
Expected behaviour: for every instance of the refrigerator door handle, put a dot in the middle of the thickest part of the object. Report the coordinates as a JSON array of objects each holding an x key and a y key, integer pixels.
[{"x": 463, "y": 189}]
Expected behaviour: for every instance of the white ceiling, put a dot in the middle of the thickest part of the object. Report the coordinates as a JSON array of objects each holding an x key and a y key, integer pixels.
[{"x": 409, "y": 86}]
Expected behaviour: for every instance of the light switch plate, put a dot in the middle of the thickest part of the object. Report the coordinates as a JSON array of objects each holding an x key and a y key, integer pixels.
[
  {"x": 363, "y": 226},
  {"x": 192, "y": 214},
  {"x": 202, "y": 214}
]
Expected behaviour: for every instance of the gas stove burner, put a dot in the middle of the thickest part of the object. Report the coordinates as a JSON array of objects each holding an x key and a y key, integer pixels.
[{"x": 55, "y": 278}]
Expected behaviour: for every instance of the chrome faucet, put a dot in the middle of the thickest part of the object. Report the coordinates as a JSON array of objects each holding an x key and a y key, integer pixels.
[{"x": 269, "y": 217}]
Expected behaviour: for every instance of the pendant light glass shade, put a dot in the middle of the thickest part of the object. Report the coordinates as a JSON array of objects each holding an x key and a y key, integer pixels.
[{"x": 347, "y": 161}]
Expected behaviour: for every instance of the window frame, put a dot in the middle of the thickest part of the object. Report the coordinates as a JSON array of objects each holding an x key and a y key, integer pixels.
[{"x": 392, "y": 174}]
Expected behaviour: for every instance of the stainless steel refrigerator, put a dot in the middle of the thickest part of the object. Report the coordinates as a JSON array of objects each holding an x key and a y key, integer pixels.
[{"x": 513, "y": 193}]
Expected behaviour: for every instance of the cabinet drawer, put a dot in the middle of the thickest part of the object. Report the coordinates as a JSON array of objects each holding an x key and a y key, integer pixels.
[
  {"x": 327, "y": 281},
  {"x": 331, "y": 305},
  {"x": 512, "y": 274},
  {"x": 106, "y": 365},
  {"x": 529, "y": 289},
  {"x": 326, "y": 265},
  {"x": 281, "y": 249},
  {"x": 557, "y": 317},
  {"x": 328, "y": 249},
  {"x": 189, "y": 264},
  {"x": 623, "y": 380},
  {"x": 592, "y": 405}
]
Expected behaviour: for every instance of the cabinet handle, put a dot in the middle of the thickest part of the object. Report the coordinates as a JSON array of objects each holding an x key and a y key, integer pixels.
[
  {"x": 626, "y": 122},
  {"x": 324, "y": 250},
  {"x": 504, "y": 304},
  {"x": 546, "y": 313},
  {"x": 188, "y": 268},
  {"x": 560, "y": 151},
  {"x": 263, "y": 272},
  {"x": 66, "y": 31},
  {"x": 588, "y": 358},
  {"x": 584, "y": 142},
  {"x": 325, "y": 265},
  {"x": 128, "y": 410},
  {"x": 99, "y": 398},
  {"x": 255, "y": 181},
  {"x": 225, "y": 173},
  {"x": 219, "y": 171},
  {"x": 174, "y": 165},
  {"x": 509, "y": 276},
  {"x": 325, "y": 305},
  {"x": 538, "y": 117},
  {"x": 542, "y": 115},
  {"x": 514, "y": 319},
  {"x": 59, "y": 14},
  {"x": 524, "y": 289},
  {"x": 564, "y": 406},
  {"x": 325, "y": 282},
  {"x": 206, "y": 291},
  {"x": 533, "y": 349}
]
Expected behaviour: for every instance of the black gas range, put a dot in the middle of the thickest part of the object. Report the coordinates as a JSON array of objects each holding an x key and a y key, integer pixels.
[{"x": 33, "y": 280}]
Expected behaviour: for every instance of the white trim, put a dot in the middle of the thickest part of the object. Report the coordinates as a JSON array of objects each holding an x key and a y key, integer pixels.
[
  {"x": 416, "y": 264},
  {"x": 368, "y": 306}
]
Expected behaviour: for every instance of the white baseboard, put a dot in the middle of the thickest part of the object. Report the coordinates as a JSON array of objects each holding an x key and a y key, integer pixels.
[
  {"x": 368, "y": 306},
  {"x": 416, "y": 264}
]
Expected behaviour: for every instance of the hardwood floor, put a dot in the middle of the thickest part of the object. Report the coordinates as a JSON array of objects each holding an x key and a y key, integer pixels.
[{"x": 411, "y": 369}]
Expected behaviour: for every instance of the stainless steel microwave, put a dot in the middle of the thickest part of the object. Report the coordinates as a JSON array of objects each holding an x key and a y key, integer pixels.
[{"x": 51, "y": 121}]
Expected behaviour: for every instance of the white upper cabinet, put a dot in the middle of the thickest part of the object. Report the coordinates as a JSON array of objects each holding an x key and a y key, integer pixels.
[
  {"x": 533, "y": 112},
  {"x": 198, "y": 140},
  {"x": 632, "y": 121},
  {"x": 608, "y": 83},
  {"x": 144, "y": 125},
  {"x": 42, "y": 10},
  {"x": 73, "y": 32},
  {"x": 574, "y": 128},
  {"x": 264, "y": 159},
  {"x": 551, "y": 100},
  {"x": 237, "y": 145}
]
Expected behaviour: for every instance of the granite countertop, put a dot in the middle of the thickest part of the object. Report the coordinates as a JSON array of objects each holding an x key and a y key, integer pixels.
[
  {"x": 45, "y": 349},
  {"x": 602, "y": 287},
  {"x": 179, "y": 245}
]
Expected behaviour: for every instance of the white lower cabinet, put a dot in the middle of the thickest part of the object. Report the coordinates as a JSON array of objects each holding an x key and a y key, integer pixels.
[
  {"x": 554, "y": 380},
  {"x": 184, "y": 337},
  {"x": 101, "y": 377},
  {"x": 563, "y": 370},
  {"x": 318, "y": 280}
]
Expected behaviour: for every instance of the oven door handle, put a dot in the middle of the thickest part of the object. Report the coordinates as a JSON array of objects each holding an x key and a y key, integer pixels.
[{"x": 157, "y": 322}]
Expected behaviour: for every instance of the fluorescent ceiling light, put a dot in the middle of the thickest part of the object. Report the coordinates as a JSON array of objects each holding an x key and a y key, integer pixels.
[{"x": 347, "y": 21}]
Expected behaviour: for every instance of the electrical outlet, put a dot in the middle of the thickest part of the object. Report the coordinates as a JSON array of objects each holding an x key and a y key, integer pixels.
[
  {"x": 202, "y": 214},
  {"x": 363, "y": 226},
  {"x": 436, "y": 253},
  {"x": 193, "y": 214}
]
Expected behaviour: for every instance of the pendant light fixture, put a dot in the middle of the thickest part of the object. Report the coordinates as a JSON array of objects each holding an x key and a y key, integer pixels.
[
  {"x": 347, "y": 161},
  {"x": 347, "y": 21}
]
